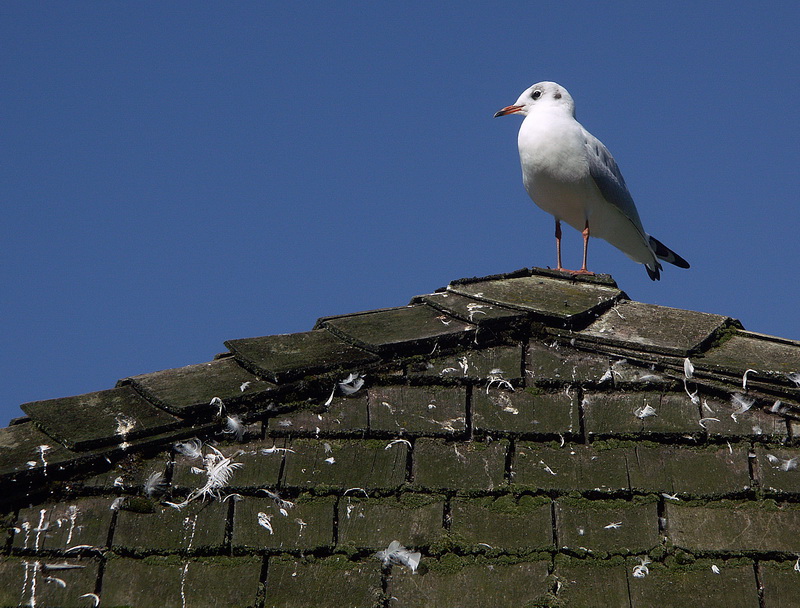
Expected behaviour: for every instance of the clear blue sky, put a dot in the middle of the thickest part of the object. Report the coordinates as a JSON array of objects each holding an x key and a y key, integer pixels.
[{"x": 175, "y": 174}]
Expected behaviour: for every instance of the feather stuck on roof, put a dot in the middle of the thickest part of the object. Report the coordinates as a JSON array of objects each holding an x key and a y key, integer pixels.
[
  {"x": 218, "y": 469},
  {"x": 396, "y": 553}
]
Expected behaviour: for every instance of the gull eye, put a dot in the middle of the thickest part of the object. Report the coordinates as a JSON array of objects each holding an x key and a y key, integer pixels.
[{"x": 536, "y": 94}]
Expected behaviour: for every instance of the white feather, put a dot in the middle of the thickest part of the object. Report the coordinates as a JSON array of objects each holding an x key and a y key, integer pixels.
[
  {"x": 644, "y": 412},
  {"x": 264, "y": 521},
  {"x": 396, "y": 553},
  {"x": 191, "y": 449},
  {"x": 741, "y": 402},
  {"x": 154, "y": 483},
  {"x": 234, "y": 426},
  {"x": 352, "y": 383},
  {"x": 95, "y": 598}
]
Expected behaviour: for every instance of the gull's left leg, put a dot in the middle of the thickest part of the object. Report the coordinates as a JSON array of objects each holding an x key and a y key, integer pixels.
[
  {"x": 585, "y": 233},
  {"x": 558, "y": 245}
]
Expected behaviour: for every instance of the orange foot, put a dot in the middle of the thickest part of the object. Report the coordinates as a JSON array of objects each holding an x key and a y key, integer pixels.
[{"x": 581, "y": 271}]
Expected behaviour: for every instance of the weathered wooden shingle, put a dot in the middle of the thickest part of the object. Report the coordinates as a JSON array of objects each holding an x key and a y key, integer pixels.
[
  {"x": 542, "y": 297},
  {"x": 189, "y": 390},
  {"x": 290, "y": 356},
  {"x": 24, "y": 448},
  {"x": 408, "y": 330},
  {"x": 658, "y": 329},
  {"x": 113, "y": 416}
]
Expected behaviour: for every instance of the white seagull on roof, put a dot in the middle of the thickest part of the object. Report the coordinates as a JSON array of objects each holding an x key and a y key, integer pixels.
[{"x": 569, "y": 173}]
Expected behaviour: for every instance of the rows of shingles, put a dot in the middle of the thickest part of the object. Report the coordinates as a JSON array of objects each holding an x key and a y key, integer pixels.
[
  {"x": 508, "y": 459},
  {"x": 448, "y": 504}
]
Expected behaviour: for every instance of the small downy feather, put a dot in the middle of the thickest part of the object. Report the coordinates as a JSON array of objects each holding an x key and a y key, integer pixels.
[
  {"x": 688, "y": 369},
  {"x": 496, "y": 377},
  {"x": 645, "y": 412},
  {"x": 94, "y": 597},
  {"x": 193, "y": 448},
  {"x": 154, "y": 484},
  {"x": 275, "y": 450},
  {"x": 741, "y": 403},
  {"x": 352, "y": 383},
  {"x": 282, "y": 504},
  {"x": 216, "y": 401},
  {"x": 58, "y": 581},
  {"x": 264, "y": 521},
  {"x": 704, "y": 421},
  {"x": 783, "y": 464},
  {"x": 396, "y": 553},
  {"x": 641, "y": 570},
  {"x": 233, "y": 425}
]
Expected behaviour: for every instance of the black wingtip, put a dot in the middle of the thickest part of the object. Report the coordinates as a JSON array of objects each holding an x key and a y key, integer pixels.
[{"x": 665, "y": 253}]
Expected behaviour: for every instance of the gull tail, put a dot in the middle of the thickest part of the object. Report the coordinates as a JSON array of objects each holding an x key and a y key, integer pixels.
[{"x": 664, "y": 253}]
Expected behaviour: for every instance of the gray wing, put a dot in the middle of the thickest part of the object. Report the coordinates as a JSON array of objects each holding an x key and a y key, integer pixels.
[{"x": 608, "y": 178}]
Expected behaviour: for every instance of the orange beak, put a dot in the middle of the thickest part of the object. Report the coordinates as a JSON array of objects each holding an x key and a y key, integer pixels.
[{"x": 508, "y": 110}]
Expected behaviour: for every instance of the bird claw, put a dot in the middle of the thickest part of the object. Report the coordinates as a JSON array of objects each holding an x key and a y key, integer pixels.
[{"x": 582, "y": 271}]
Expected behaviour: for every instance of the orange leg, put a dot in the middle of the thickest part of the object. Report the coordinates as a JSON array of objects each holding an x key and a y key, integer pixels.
[
  {"x": 585, "y": 233},
  {"x": 558, "y": 245}
]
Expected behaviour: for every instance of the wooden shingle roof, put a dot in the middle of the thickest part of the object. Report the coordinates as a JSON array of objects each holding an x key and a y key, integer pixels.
[{"x": 539, "y": 439}]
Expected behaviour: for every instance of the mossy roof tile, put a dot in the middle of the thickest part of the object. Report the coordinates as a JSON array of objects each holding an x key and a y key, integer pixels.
[
  {"x": 283, "y": 523},
  {"x": 525, "y": 413},
  {"x": 589, "y": 582},
  {"x": 26, "y": 582},
  {"x": 778, "y": 469},
  {"x": 517, "y": 525},
  {"x": 618, "y": 414},
  {"x": 459, "y": 465},
  {"x": 445, "y": 584},
  {"x": 189, "y": 390},
  {"x": 326, "y": 583},
  {"x": 770, "y": 359},
  {"x": 63, "y": 525},
  {"x": 343, "y": 415},
  {"x": 406, "y": 330},
  {"x": 495, "y": 362},
  {"x": 571, "y": 468},
  {"x": 553, "y": 361},
  {"x": 542, "y": 297},
  {"x": 287, "y": 357},
  {"x": 113, "y": 416},
  {"x": 659, "y": 329},
  {"x": 200, "y": 525},
  {"x": 344, "y": 464},
  {"x": 734, "y": 526},
  {"x": 700, "y": 587},
  {"x": 375, "y": 522},
  {"x": 780, "y": 583},
  {"x": 156, "y": 582},
  {"x": 471, "y": 310},
  {"x": 24, "y": 448},
  {"x": 426, "y": 410},
  {"x": 613, "y": 526}
]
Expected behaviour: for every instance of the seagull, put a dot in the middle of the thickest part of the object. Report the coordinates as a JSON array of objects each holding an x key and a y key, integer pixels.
[{"x": 569, "y": 173}]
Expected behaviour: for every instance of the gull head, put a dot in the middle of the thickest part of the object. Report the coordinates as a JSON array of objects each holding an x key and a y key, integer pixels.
[{"x": 539, "y": 96}]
